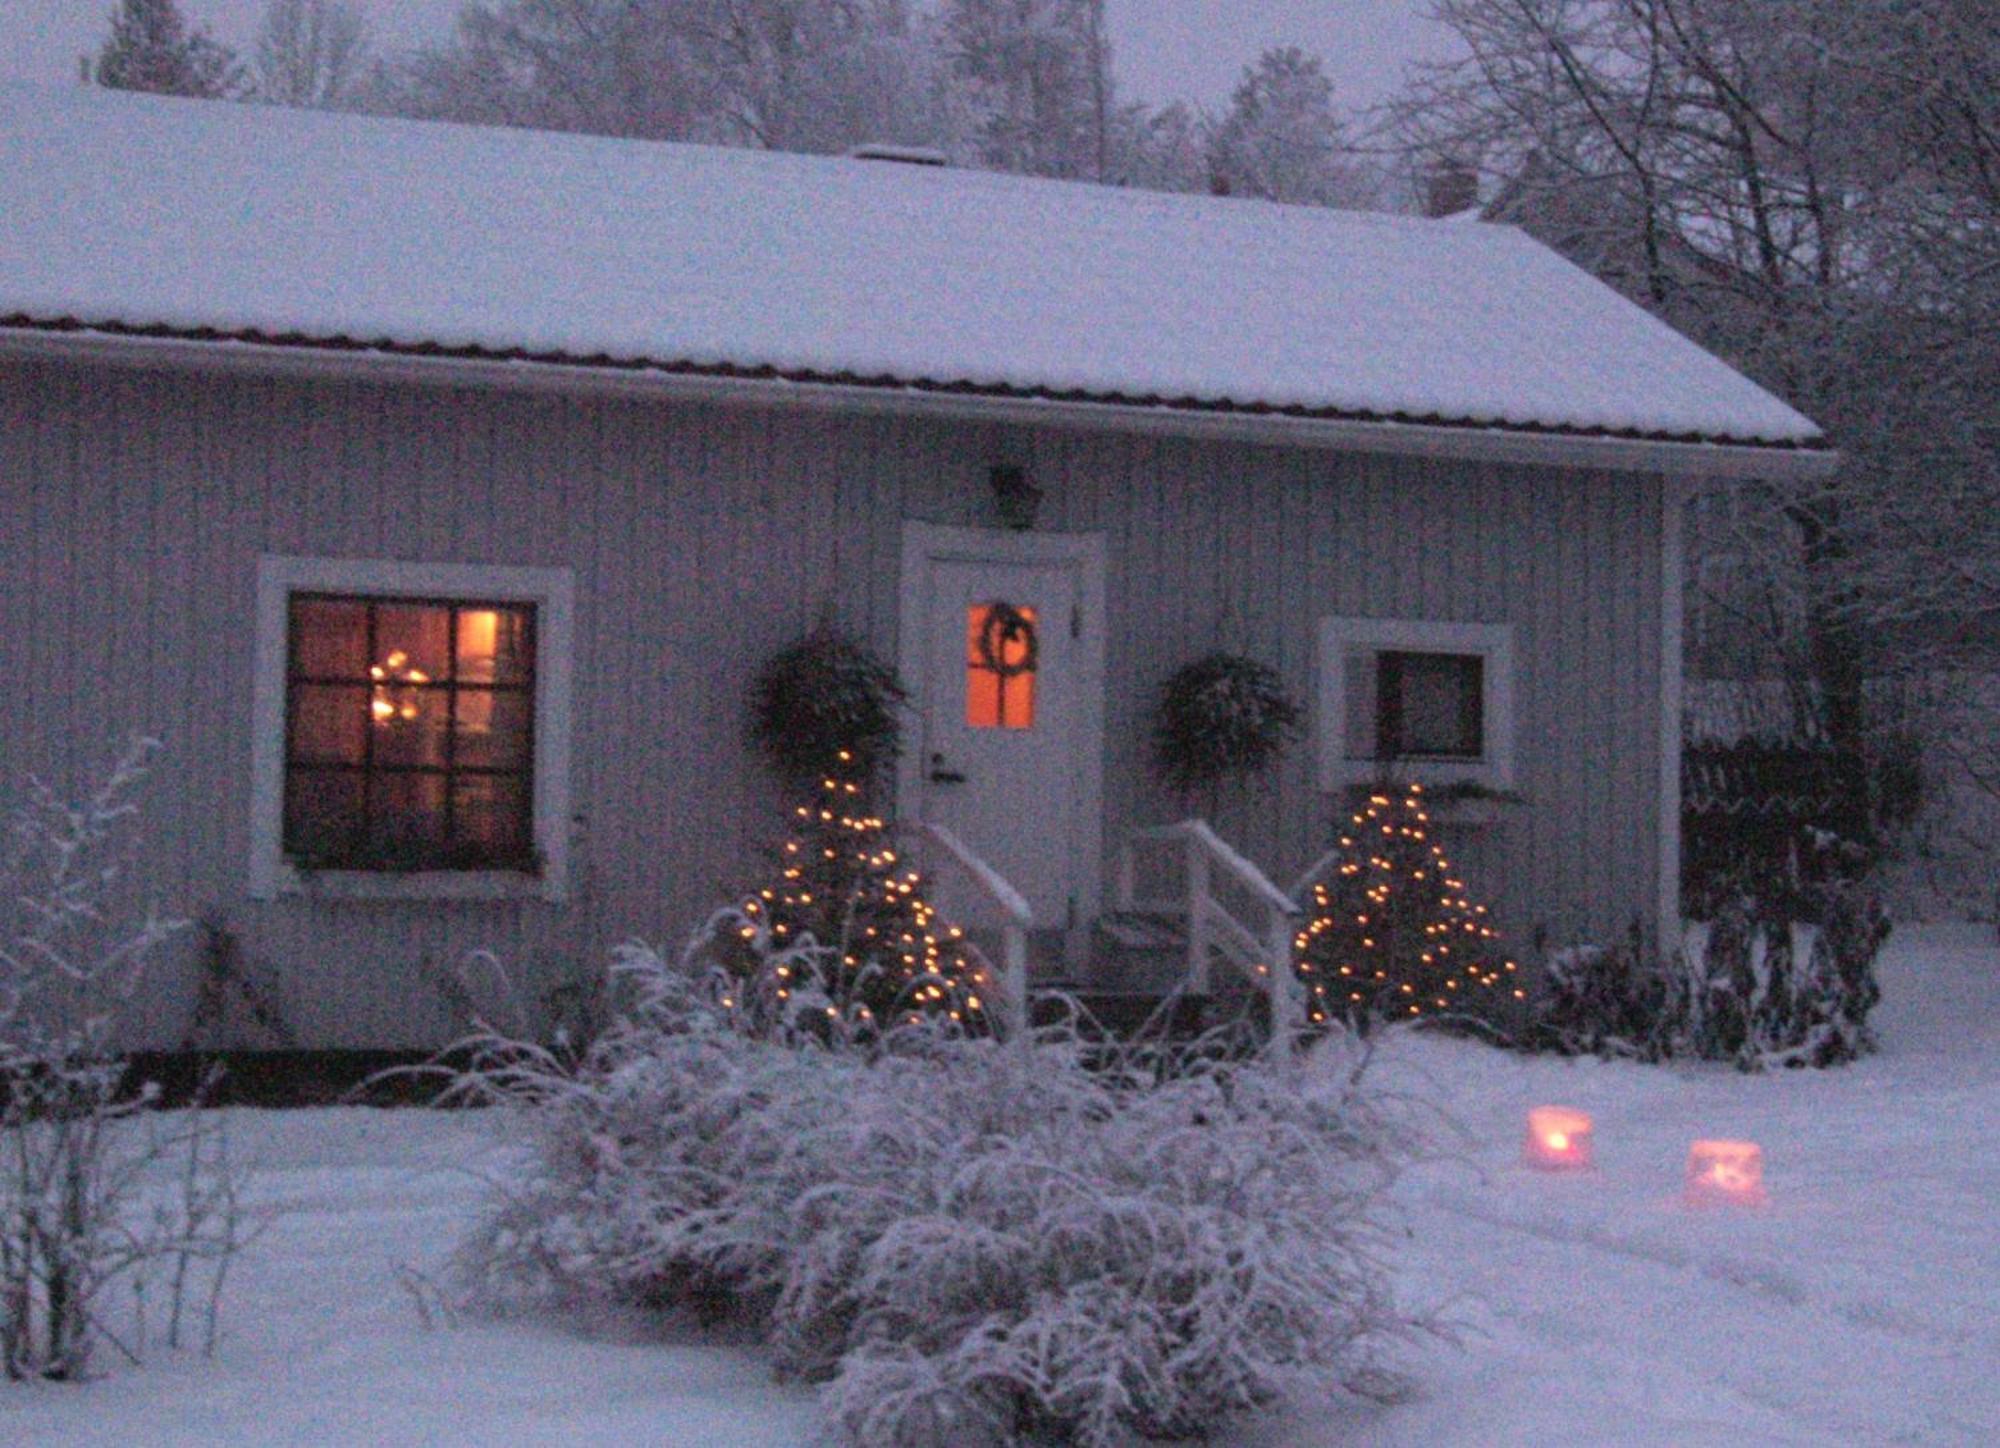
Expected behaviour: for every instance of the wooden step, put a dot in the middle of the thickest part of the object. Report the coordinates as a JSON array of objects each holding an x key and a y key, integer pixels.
[
  {"x": 1129, "y": 1015},
  {"x": 1143, "y": 930}
]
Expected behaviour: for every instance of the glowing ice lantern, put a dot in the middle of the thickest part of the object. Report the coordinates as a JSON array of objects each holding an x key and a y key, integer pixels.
[
  {"x": 1558, "y": 1138},
  {"x": 1726, "y": 1172}
]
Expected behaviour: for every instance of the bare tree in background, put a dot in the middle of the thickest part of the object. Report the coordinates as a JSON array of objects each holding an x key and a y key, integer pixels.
[
  {"x": 308, "y": 52},
  {"x": 819, "y": 75},
  {"x": 795, "y": 75},
  {"x": 610, "y": 67},
  {"x": 1012, "y": 85},
  {"x": 1807, "y": 187},
  {"x": 1161, "y": 150}
]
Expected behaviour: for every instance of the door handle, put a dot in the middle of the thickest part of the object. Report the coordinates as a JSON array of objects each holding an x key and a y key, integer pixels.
[{"x": 940, "y": 775}]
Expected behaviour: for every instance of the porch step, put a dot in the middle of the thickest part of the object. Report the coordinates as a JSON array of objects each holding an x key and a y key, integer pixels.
[
  {"x": 1137, "y": 952},
  {"x": 1132, "y": 1015},
  {"x": 1143, "y": 930}
]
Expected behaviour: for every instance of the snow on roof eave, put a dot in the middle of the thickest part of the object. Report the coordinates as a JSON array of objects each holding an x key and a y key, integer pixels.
[{"x": 1479, "y": 440}]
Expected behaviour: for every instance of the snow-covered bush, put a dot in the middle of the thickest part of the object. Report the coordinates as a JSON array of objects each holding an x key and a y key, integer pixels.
[
  {"x": 1763, "y": 992},
  {"x": 968, "y": 1240},
  {"x": 96, "y": 1191},
  {"x": 1606, "y": 1002},
  {"x": 1754, "y": 988}
]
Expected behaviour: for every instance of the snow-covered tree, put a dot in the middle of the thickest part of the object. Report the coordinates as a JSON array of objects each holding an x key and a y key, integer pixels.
[
  {"x": 1038, "y": 80},
  {"x": 151, "y": 48},
  {"x": 609, "y": 67},
  {"x": 1161, "y": 150},
  {"x": 1280, "y": 139},
  {"x": 792, "y": 75},
  {"x": 308, "y": 52},
  {"x": 820, "y": 75}
]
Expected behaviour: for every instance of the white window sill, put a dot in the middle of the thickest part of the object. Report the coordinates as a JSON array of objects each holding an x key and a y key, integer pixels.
[
  {"x": 494, "y": 885},
  {"x": 1456, "y": 811},
  {"x": 1432, "y": 774}
]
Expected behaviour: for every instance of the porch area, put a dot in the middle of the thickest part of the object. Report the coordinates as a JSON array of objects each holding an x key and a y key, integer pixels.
[{"x": 1192, "y": 935}]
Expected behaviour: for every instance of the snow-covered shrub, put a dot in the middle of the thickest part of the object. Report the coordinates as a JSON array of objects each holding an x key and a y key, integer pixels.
[
  {"x": 1754, "y": 988},
  {"x": 968, "y": 1240},
  {"x": 1606, "y": 1002},
  {"x": 1762, "y": 991},
  {"x": 96, "y": 1190}
]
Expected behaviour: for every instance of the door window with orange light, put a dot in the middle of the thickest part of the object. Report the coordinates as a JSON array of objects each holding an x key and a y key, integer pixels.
[
  {"x": 1002, "y": 657},
  {"x": 409, "y": 734}
]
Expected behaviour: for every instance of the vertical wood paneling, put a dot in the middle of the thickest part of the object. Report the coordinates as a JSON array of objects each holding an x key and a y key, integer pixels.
[{"x": 135, "y": 506}]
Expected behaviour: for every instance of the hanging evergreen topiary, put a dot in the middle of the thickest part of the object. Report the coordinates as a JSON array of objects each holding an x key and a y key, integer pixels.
[
  {"x": 824, "y": 697},
  {"x": 1221, "y": 717}
]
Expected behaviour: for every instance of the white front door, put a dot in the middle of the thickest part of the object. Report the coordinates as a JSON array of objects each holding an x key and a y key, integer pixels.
[{"x": 1002, "y": 647}]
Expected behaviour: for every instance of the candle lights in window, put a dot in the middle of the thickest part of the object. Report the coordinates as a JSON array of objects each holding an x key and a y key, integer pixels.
[
  {"x": 1558, "y": 1138},
  {"x": 391, "y": 704}
]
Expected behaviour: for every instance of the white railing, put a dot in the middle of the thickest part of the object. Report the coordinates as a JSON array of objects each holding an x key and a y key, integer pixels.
[
  {"x": 1016, "y": 920},
  {"x": 1263, "y": 954},
  {"x": 1312, "y": 875}
]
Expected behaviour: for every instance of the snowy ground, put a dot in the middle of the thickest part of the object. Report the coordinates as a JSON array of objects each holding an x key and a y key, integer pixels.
[{"x": 1861, "y": 1306}]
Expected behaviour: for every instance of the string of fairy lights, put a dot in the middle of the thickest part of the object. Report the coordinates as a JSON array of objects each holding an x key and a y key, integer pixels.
[
  {"x": 1393, "y": 931},
  {"x": 841, "y": 880}
]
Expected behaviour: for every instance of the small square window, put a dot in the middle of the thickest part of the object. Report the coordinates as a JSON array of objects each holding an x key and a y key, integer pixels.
[
  {"x": 1430, "y": 699},
  {"x": 1429, "y": 706}
]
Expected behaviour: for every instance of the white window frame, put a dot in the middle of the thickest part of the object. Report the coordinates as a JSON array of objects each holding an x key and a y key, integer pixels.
[
  {"x": 550, "y": 590},
  {"x": 1493, "y": 643}
]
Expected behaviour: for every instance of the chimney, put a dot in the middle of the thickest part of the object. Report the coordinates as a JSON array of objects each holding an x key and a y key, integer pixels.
[{"x": 1451, "y": 185}]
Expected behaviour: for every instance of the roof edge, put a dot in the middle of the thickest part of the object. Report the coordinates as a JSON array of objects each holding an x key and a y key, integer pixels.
[{"x": 126, "y": 345}]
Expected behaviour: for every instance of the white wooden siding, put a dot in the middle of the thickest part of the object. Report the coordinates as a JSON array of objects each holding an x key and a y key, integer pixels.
[{"x": 134, "y": 505}]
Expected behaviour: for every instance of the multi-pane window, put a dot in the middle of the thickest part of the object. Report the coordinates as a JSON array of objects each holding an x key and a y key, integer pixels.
[
  {"x": 409, "y": 734},
  {"x": 1002, "y": 656}
]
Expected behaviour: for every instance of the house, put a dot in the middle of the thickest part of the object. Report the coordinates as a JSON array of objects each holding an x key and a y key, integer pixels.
[{"x": 463, "y": 477}]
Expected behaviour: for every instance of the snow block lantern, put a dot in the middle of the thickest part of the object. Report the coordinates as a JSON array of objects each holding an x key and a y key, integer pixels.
[
  {"x": 1729, "y": 1173},
  {"x": 1558, "y": 1138}
]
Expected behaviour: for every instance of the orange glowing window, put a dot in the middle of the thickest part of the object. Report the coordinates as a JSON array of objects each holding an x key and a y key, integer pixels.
[
  {"x": 1001, "y": 656},
  {"x": 409, "y": 739}
]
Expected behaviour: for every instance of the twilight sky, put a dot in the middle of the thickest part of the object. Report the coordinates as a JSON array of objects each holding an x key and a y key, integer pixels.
[{"x": 1166, "y": 49}]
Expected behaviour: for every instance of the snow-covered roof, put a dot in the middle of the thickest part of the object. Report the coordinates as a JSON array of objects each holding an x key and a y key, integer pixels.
[{"x": 136, "y": 213}]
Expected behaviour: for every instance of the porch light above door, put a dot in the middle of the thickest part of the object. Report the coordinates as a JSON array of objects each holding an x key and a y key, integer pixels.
[{"x": 1015, "y": 498}]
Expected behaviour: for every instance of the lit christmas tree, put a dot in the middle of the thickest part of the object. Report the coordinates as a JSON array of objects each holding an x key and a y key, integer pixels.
[
  {"x": 1393, "y": 933},
  {"x": 881, "y": 955}
]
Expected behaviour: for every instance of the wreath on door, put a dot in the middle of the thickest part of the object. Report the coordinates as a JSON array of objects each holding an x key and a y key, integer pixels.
[{"x": 1008, "y": 644}]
